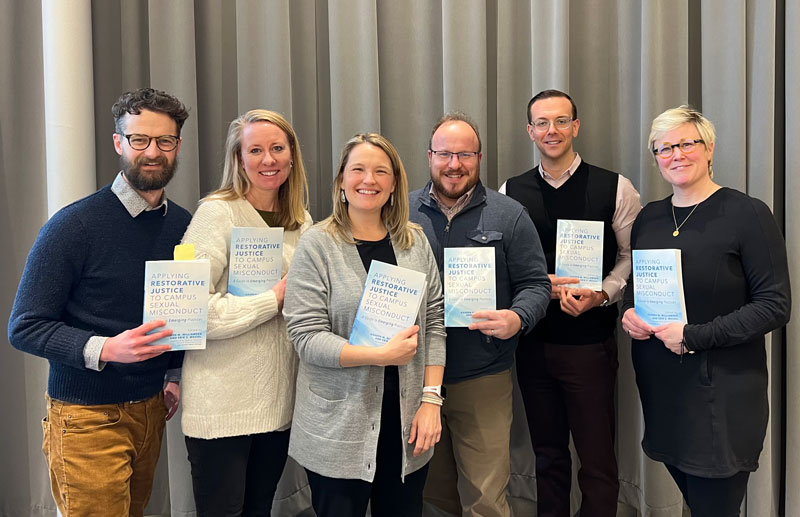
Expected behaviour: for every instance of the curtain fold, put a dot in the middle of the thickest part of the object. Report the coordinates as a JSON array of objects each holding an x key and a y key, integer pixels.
[
  {"x": 791, "y": 135},
  {"x": 334, "y": 68},
  {"x": 69, "y": 112}
]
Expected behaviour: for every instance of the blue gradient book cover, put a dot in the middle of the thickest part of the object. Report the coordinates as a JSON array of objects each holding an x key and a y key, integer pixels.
[
  {"x": 176, "y": 291},
  {"x": 469, "y": 284},
  {"x": 579, "y": 252},
  {"x": 256, "y": 261},
  {"x": 390, "y": 303},
  {"x": 658, "y": 286}
]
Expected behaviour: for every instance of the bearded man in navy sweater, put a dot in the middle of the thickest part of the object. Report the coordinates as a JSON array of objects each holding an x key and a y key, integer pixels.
[{"x": 79, "y": 305}]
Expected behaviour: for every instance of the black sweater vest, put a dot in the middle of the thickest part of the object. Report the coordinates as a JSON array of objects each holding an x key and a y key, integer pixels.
[{"x": 590, "y": 194}]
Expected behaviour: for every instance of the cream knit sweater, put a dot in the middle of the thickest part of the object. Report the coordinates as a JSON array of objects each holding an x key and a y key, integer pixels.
[{"x": 244, "y": 381}]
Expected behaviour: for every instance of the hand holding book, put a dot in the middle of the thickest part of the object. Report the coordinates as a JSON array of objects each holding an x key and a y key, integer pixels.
[
  {"x": 576, "y": 301},
  {"x": 502, "y": 324},
  {"x": 560, "y": 283},
  {"x": 635, "y": 326},
  {"x": 399, "y": 350},
  {"x": 280, "y": 291},
  {"x": 133, "y": 345},
  {"x": 671, "y": 334}
]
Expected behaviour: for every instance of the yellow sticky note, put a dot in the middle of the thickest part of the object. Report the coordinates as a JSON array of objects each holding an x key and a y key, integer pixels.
[{"x": 184, "y": 252}]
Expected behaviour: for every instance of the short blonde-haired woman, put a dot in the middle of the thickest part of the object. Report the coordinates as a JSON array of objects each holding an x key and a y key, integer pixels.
[
  {"x": 362, "y": 429},
  {"x": 238, "y": 393},
  {"x": 703, "y": 385}
]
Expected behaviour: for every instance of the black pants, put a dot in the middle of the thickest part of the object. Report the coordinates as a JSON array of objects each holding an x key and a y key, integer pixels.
[
  {"x": 386, "y": 495},
  {"x": 237, "y": 475},
  {"x": 570, "y": 388},
  {"x": 711, "y": 497}
]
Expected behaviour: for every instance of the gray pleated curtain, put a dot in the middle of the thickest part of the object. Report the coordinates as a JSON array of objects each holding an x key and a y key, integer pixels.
[{"x": 393, "y": 66}]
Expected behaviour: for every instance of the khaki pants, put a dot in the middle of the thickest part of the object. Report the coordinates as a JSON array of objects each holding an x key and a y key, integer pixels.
[
  {"x": 102, "y": 457},
  {"x": 470, "y": 468}
]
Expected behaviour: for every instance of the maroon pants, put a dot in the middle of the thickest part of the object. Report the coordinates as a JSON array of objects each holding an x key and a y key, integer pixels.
[{"x": 570, "y": 388}]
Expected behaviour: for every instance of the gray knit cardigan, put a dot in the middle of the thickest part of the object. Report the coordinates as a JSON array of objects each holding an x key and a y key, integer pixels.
[{"x": 337, "y": 411}]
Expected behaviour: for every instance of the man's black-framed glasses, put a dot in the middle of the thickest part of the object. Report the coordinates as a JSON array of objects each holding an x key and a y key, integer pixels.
[
  {"x": 139, "y": 142},
  {"x": 687, "y": 146},
  {"x": 463, "y": 156}
]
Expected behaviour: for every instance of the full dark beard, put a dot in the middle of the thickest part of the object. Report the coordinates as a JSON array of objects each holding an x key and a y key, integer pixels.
[
  {"x": 453, "y": 194},
  {"x": 146, "y": 181}
]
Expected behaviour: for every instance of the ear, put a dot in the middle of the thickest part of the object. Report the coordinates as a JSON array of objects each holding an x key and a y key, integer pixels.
[
  {"x": 178, "y": 149},
  {"x": 118, "y": 143},
  {"x": 530, "y": 130},
  {"x": 576, "y": 126}
]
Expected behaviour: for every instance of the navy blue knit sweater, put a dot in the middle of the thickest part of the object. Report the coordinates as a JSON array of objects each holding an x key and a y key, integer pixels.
[{"x": 85, "y": 277}]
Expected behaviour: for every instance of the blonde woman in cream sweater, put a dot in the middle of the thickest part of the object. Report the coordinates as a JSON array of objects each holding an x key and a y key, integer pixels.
[{"x": 238, "y": 393}]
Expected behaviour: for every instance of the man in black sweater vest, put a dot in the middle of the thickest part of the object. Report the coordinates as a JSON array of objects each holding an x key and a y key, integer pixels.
[
  {"x": 79, "y": 305},
  {"x": 567, "y": 366}
]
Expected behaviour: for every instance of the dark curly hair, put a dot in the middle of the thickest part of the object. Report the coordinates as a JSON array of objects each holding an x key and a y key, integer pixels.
[{"x": 132, "y": 103}]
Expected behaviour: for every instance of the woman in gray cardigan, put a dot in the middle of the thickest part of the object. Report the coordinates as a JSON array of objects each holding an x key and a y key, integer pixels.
[{"x": 365, "y": 418}]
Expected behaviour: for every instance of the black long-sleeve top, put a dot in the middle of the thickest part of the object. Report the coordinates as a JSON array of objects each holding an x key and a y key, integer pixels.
[{"x": 707, "y": 413}]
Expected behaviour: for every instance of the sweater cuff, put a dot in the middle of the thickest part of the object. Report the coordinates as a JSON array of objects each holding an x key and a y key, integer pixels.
[
  {"x": 173, "y": 375},
  {"x": 91, "y": 353},
  {"x": 523, "y": 327},
  {"x": 690, "y": 338}
]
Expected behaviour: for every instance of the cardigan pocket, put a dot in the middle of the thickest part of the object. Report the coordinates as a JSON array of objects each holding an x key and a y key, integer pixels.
[
  {"x": 323, "y": 402},
  {"x": 323, "y": 418}
]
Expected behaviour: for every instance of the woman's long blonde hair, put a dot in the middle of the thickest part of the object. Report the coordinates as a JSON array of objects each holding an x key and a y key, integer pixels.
[
  {"x": 292, "y": 195},
  {"x": 394, "y": 215}
]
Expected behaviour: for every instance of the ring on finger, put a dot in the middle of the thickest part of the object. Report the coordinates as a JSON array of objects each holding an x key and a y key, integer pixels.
[{"x": 492, "y": 332}]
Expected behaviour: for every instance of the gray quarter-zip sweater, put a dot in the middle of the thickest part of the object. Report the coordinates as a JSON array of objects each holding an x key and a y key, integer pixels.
[{"x": 522, "y": 284}]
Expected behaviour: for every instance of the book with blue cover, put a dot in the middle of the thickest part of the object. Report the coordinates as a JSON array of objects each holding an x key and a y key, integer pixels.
[
  {"x": 658, "y": 286},
  {"x": 256, "y": 261},
  {"x": 390, "y": 303},
  {"x": 469, "y": 284},
  {"x": 176, "y": 291},
  {"x": 579, "y": 252}
]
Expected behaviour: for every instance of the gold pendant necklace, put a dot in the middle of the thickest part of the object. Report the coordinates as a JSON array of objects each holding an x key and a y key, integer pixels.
[{"x": 677, "y": 226}]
